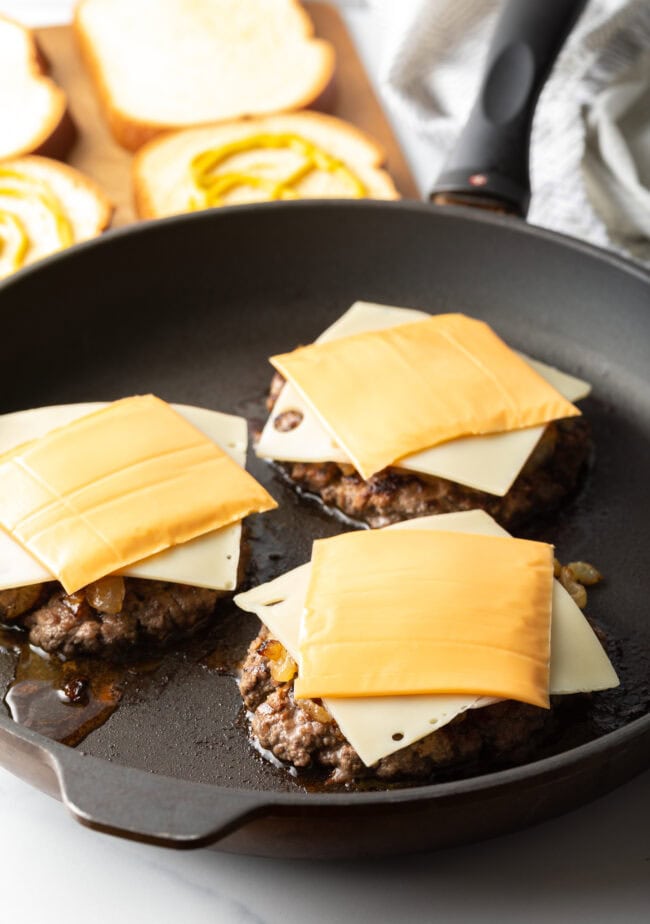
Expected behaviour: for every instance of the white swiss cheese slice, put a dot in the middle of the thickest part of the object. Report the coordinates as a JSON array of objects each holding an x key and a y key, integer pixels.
[
  {"x": 488, "y": 463},
  {"x": 579, "y": 663},
  {"x": 211, "y": 560}
]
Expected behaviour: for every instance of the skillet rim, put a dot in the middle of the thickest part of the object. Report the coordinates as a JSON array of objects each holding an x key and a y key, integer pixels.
[
  {"x": 61, "y": 757},
  {"x": 452, "y": 212}
]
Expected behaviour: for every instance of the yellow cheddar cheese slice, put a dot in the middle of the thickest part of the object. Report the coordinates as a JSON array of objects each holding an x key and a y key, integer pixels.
[
  {"x": 117, "y": 486},
  {"x": 210, "y": 561},
  {"x": 419, "y": 612},
  {"x": 386, "y": 394}
]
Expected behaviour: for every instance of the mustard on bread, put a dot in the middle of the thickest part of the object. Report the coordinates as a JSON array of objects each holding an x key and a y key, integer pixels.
[
  {"x": 290, "y": 156},
  {"x": 159, "y": 65},
  {"x": 33, "y": 109},
  {"x": 46, "y": 206}
]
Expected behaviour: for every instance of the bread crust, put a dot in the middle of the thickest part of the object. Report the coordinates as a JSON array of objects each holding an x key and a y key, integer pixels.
[
  {"x": 128, "y": 133},
  {"x": 144, "y": 204},
  {"x": 55, "y": 136},
  {"x": 132, "y": 133}
]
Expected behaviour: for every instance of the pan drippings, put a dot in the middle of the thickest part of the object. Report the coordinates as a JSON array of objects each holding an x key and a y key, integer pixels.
[
  {"x": 63, "y": 709},
  {"x": 62, "y": 700},
  {"x": 66, "y": 700}
]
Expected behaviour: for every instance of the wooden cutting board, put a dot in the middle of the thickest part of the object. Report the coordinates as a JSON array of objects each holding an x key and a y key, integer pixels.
[{"x": 97, "y": 154}]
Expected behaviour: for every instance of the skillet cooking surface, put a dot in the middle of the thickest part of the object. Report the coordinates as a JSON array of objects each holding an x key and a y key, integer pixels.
[{"x": 191, "y": 308}]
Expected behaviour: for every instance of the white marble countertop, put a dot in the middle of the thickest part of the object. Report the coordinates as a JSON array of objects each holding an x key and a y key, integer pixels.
[
  {"x": 591, "y": 866},
  {"x": 587, "y": 867}
]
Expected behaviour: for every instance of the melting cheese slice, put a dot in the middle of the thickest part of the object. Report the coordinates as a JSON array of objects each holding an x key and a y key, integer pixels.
[
  {"x": 488, "y": 463},
  {"x": 209, "y": 560},
  {"x": 379, "y": 726},
  {"x": 386, "y": 394},
  {"x": 416, "y": 611}
]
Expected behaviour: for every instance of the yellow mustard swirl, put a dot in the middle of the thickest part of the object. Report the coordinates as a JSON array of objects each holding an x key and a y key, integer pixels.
[
  {"x": 15, "y": 242},
  {"x": 214, "y": 186}
]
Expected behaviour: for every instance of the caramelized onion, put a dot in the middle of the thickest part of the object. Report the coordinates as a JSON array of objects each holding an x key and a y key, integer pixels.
[
  {"x": 577, "y": 592},
  {"x": 283, "y": 667},
  {"x": 315, "y": 711},
  {"x": 584, "y": 573},
  {"x": 107, "y": 594},
  {"x": 75, "y": 600},
  {"x": 574, "y": 577}
]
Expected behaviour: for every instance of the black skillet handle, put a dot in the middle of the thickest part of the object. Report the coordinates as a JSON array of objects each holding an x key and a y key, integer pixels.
[
  {"x": 489, "y": 165},
  {"x": 143, "y": 807}
]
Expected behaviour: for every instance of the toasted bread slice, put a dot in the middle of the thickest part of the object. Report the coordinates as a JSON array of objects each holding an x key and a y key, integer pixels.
[
  {"x": 44, "y": 207},
  {"x": 160, "y": 65},
  {"x": 33, "y": 109},
  {"x": 251, "y": 160}
]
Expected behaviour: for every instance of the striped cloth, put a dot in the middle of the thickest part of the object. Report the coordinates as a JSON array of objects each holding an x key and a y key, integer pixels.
[{"x": 590, "y": 155}]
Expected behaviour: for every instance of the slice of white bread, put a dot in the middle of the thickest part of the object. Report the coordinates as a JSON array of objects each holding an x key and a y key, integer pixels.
[
  {"x": 44, "y": 207},
  {"x": 164, "y": 181},
  {"x": 160, "y": 65},
  {"x": 33, "y": 109}
]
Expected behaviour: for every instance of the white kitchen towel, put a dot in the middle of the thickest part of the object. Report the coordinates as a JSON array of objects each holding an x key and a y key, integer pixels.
[{"x": 590, "y": 149}]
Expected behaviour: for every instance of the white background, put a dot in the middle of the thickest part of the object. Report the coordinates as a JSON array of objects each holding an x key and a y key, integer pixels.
[{"x": 591, "y": 866}]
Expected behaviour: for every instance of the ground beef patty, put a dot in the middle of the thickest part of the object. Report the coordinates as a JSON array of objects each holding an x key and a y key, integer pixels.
[
  {"x": 549, "y": 477},
  {"x": 151, "y": 613},
  {"x": 306, "y": 736}
]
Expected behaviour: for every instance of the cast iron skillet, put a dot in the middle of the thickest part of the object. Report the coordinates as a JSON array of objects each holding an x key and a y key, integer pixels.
[{"x": 190, "y": 308}]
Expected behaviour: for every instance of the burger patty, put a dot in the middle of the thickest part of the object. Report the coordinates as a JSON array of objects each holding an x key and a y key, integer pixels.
[
  {"x": 305, "y": 735},
  {"x": 129, "y": 614},
  {"x": 551, "y": 474}
]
